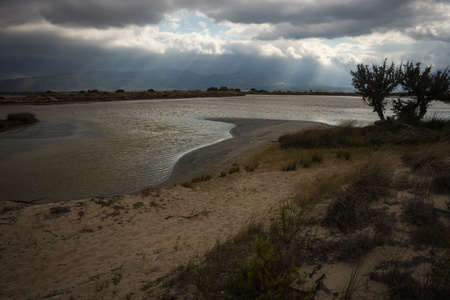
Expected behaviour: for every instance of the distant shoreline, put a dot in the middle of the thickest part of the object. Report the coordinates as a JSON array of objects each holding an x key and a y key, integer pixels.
[{"x": 96, "y": 96}]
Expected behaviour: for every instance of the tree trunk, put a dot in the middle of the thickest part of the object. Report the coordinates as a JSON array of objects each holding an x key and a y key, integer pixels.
[
  {"x": 379, "y": 111},
  {"x": 422, "y": 109}
]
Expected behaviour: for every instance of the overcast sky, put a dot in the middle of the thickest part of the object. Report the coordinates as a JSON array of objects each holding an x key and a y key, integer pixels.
[{"x": 320, "y": 39}]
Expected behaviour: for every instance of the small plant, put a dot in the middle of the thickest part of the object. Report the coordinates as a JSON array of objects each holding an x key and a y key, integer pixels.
[
  {"x": 266, "y": 276},
  {"x": 201, "y": 178},
  {"x": 344, "y": 154},
  {"x": 284, "y": 228},
  {"x": 305, "y": 163},
  {"x": 352, "y": 282},
  {"x": 234, "y": 169},
  {"x": 419, "y": 212},
  {"x": 436, "y": 235},
  {"x": 223, "y": 174},
  {"x": 145, "y": 192},
  {"x": 317, "y": 157},
  {"x": 21, "y": 118},
  {"x": 103, "y": 203},
  {"x": 59, "y": 210},
  {"x": 251, "y": 168},
  {"x": 353, "y": 247},
  {"x": 383, "y": 228},
  {"x": 290, "y": 167}
]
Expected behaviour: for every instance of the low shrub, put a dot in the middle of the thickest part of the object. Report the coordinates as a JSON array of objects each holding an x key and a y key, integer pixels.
[
  {"x": 266, "y": 276},
  {"x": 353, "y": 246},
  {"x": 251, "y": 168},
  {"x": 344, "y": 154},
  {"x": 367, "y": 183},
  {"x": 348, "y": 136},
  {"x": 234, "y": 169},
  {"x": 418, "y": 212},
  {"x": 317, "y": 157},
  {"x": 290, "y": 167},
  {"x": 431, "y": 165},
  {"x": 201, "y": 178},
  {"x": 22, "y": 118}
]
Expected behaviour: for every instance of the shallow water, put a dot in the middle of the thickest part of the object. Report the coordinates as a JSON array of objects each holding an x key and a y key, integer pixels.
[{"x": 85, "y": 150}]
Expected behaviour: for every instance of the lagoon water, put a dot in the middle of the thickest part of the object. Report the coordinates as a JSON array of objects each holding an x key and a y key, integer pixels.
[{"x": 99, "y": 149}]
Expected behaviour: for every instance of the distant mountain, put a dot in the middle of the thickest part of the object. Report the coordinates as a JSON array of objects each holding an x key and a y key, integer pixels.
[{"x": 161, "y": 79}]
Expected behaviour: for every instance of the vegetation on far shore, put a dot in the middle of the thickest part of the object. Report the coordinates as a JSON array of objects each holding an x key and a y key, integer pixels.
[
  {"x": 380, "y": 197},
  {"x": 16, "y": 120},
  {"x": 50, "y": 97}
]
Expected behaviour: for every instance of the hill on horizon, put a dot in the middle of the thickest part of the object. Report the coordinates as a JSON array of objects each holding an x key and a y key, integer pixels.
[{"x": 162, "y": 79}]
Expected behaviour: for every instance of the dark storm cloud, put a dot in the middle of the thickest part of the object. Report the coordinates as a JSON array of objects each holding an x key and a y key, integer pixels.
[
  {"x": 97, "y": 13},
  {"x": 291, "y": 19},
  {"x": 39, "y": 49},
  {"x": 331, "y": 19}
]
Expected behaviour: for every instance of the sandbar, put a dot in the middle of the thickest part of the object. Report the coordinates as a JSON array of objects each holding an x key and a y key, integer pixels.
[{"x": 248, "y": 134}]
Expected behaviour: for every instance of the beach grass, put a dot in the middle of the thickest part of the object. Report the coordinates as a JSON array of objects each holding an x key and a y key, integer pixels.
[{"x": 370, "y": 166}]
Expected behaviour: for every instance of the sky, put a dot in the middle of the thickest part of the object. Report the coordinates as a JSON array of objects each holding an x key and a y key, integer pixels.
[{"x": 321, "y": 40}]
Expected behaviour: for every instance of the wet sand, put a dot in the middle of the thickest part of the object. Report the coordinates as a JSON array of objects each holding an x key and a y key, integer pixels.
[{"x": 248, "y": 134}]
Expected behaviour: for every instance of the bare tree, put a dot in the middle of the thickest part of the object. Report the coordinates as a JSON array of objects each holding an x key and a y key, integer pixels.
[
  {"x": 426, "y": 86},
  {"x": 376, "y": 83}
]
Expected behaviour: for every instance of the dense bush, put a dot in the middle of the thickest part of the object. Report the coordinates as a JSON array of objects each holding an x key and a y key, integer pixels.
[{"x": 22, "y": 118}]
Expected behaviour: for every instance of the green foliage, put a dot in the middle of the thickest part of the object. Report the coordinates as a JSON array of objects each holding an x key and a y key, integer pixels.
[
  {"x": 379, "y": 81},
  {"x": 212, "y": 89},
  {"x": 285, "y": 229},
  {"x": 426, "y": 86},
  {"x": 266, "y": 276},
  {"x": 376, "y": 83},
  {"x": 120, "y": 91}
]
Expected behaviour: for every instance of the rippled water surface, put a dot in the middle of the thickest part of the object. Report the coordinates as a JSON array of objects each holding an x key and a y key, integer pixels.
[{"x": 119, "y": 147}]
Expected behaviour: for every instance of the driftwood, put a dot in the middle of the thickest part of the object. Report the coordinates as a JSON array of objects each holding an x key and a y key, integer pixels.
[{"x": 185, "y": 217}]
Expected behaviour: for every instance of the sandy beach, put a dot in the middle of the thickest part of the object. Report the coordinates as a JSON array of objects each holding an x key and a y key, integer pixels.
[
  {"x": 123, "y": 246},
  {"x": 132, "y": 246}
]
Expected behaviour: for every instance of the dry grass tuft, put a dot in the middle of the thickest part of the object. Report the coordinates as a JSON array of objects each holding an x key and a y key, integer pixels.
[
  {"x": 367, "y": 183},
  {"x": 432, "y": 166}
]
